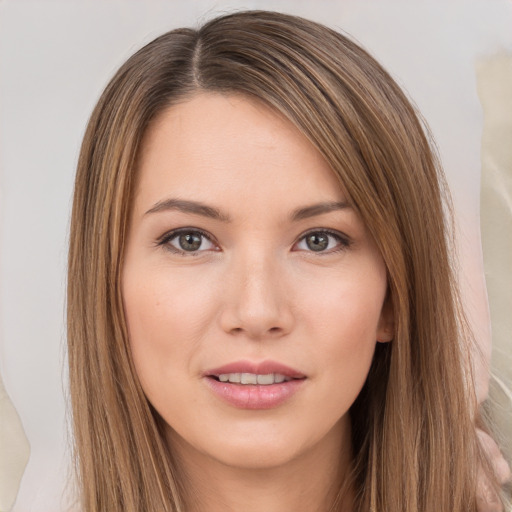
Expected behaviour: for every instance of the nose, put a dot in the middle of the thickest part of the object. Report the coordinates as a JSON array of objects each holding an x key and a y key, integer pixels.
[{"x": 257, "y": 303}]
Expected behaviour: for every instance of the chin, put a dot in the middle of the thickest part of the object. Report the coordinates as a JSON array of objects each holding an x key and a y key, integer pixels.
[
  {"x": 257, "y": 456},
  {"x": 254, "y": 446}
]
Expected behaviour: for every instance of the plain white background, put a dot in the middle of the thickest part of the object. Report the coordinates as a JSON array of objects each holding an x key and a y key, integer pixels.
[{"x": 55, "y": 58}]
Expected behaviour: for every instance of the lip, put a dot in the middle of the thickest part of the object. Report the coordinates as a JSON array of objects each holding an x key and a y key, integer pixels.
[{"x": 254, "y": 396}]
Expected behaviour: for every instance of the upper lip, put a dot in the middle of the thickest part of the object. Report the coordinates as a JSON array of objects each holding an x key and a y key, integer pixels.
[{"x": 258, "y": 368}]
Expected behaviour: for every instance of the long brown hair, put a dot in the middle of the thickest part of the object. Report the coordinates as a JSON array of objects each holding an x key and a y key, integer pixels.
[{"x": 414, "y": 442}]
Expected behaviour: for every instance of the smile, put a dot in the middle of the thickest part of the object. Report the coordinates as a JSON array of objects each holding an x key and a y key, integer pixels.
[{"x": 248, "y": 385}]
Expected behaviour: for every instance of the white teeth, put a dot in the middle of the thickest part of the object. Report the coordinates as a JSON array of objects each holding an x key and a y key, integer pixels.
[
  {"x": 266, "y": 379},
  {"x": 249, "y": 378},
  {"x": 252, "y": 378}
]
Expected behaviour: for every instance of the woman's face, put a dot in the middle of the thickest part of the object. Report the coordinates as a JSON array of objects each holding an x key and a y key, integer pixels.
[{"x": 253, "y": 293}]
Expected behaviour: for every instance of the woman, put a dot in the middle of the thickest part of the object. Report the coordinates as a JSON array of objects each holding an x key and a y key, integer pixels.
[{"x": 261, "y": 308}]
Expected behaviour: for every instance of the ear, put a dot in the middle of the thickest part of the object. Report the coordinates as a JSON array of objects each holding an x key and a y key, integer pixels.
[{"x": 386, "y": 326}]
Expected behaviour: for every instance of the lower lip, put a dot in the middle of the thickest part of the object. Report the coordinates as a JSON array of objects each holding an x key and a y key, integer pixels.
[{"x": 253, "y": 396}]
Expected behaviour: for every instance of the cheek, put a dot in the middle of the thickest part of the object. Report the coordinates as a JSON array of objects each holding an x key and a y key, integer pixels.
[
  {"x": 345, "y": 305},
  {"x": 166, "y": 320},
  {"x": 344, "y": 315}
]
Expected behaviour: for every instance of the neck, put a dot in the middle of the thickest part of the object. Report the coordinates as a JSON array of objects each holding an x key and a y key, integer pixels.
[{"x": 310, "y": 483}]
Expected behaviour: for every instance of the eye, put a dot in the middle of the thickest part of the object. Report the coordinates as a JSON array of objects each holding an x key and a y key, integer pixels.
[
  {"x": 187, "y": 240},
  {"x": 322, "y": 241}
]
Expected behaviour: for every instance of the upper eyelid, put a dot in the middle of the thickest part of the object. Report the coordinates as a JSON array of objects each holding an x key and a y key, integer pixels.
[
  {"x": 333, "y": 232},
  {"x": 175, "y": 232}
]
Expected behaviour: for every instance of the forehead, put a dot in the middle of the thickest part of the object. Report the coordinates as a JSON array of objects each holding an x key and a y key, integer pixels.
[{"x": 226, "y": 146}]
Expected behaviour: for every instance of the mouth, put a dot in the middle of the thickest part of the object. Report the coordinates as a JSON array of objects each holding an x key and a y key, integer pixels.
[{"x": 247, "y": 385}]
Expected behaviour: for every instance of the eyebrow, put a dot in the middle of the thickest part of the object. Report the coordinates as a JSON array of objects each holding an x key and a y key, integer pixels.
[
  {"x": 318, "y": 209},
  {"x": 198, "y": 208},
  {"x": 193, "y": 207}
]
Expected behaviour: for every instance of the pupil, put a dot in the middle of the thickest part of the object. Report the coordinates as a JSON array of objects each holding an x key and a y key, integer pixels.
[
  {"x": 190, "y": 242},
  {"x": 317, "y": 242}
]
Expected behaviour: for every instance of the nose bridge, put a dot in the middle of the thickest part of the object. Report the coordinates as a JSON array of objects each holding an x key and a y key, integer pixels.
[{"x": 256, "y": 302}]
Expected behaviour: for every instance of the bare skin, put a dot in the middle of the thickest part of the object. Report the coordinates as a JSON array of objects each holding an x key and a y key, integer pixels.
[{"x": 219, "y": 488}]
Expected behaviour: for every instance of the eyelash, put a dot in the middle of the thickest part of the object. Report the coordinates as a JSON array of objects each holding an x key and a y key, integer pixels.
[
  {"x": 342, "y": 239},
  {"x": 163, "y": 241}
]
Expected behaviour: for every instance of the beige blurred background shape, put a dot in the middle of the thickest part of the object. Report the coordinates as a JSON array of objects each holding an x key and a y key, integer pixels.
[
  {"x": 494, "y": 80},
  {"x": 14, "y": 451}
]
